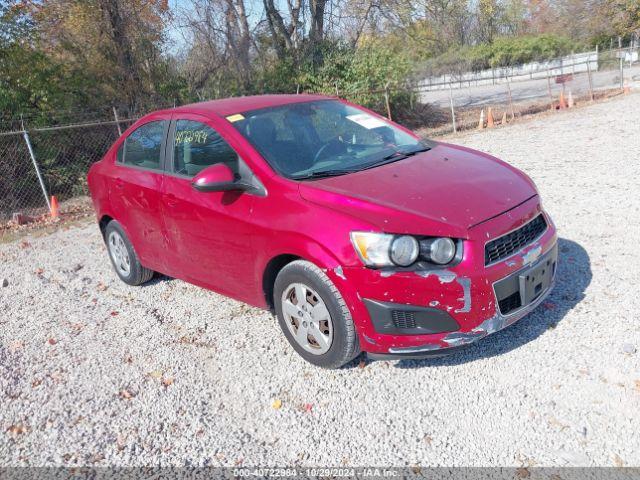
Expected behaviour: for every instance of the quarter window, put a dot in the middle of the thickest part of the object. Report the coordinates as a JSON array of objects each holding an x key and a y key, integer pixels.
[
  {"x": 143, "y": 147},
  {"x": 198, "y": 146}
]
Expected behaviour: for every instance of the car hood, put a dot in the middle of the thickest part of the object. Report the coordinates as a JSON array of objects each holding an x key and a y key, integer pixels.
[{"x": 443, "y": 191}]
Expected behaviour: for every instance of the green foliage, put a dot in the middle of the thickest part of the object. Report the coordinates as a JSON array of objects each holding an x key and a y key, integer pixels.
[
  {"x": 625, "y": 16},
  {"x": 357, "y": 74},
  {"x": 504, "y": 51},
  {"x": 30, "y": 79}
]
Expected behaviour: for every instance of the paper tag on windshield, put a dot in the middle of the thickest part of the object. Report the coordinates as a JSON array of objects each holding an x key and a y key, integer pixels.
[
  {"x": 235, "y": 118},
  {"x": 366, "y": 121}
]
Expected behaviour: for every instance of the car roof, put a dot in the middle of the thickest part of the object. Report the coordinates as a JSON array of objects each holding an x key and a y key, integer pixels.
[{"x": 230, "y": 106}]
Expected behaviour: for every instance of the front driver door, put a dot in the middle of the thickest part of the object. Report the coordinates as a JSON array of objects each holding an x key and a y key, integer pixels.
[{"x": 209, "y": 233}]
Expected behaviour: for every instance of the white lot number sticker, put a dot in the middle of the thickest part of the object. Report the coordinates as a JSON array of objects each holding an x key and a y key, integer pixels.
[{"x": 366, "y": 121}]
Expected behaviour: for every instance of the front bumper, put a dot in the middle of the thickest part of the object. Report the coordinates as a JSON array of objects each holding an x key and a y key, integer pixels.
[
  {"x": 463, "y": 296},
  {"x": 454, "y": 340}
]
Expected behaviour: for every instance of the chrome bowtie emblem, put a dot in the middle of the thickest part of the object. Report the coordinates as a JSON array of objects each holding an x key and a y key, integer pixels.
[{"x": 532, "y": 255}]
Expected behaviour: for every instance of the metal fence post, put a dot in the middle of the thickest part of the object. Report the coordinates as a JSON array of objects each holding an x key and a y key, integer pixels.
[
  {"x": 35, "y": 165},
  {"x": 453, "y": 112},
  {"x": 513, "y": 115},
  {"x": 621, "y": 63},
  {"x": 549, "y": 89},
  {"x": 590, "y": 80},
  {"x": 386, "y": 100},
  {"x": 115, "y": 115}
]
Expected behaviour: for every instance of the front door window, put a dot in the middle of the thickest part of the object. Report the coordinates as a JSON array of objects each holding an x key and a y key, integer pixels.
[{"x": 198, "y": 146}]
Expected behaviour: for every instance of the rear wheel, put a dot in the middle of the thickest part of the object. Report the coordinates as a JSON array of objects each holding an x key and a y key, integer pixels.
[
  {"x": 313, "y": 316},
  {"x": 123, "y": 257}
]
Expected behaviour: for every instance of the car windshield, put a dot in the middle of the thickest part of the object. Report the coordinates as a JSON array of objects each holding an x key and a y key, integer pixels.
[{"x": 323, "y": 138}]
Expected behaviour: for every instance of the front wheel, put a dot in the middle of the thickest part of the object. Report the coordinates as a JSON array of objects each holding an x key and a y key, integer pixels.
[{"x": 313, "y": 316}]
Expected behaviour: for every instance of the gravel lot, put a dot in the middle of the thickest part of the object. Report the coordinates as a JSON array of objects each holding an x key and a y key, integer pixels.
[{"x": 93, "y": 372}]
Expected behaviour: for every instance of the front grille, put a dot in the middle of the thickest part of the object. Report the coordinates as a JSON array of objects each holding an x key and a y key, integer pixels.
[
  {"x": 403, "y": 319},
  {"x": 510, "y": 243},
  {"x": 510, "y": 303}
]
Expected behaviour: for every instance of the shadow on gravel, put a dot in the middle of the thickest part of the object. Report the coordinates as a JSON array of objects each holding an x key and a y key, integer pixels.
[
  {"x": 157, "y": 278},
  {"x": 573, "y": 277}
]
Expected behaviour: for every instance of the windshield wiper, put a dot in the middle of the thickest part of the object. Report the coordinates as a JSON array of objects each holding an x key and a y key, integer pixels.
[
  {"x": 324, "y": 174},
  {"x": 397, "y": 155},
  {"x": 393, "y": 157},
  {"x": 424, "y": 148}
]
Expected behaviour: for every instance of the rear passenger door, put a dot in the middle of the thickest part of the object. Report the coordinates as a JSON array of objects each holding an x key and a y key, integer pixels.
[
  {"x": 136, "y": 188},
  {"x": 209, "y": 233}
]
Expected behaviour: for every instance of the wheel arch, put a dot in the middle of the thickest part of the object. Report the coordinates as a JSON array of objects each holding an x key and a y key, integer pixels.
[
  {"x": 103, "y": 222},
  {"x": 271, "y": 270},
  {"x": 304, "y": 249},
  {"x": 105, "y": 219}
]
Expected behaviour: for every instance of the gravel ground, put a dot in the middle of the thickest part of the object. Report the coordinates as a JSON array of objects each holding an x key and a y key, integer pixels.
[{"x": 93, "y": 372}]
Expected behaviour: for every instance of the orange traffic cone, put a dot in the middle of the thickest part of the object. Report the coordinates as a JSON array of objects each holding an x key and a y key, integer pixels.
[
  {"x": 481, "y": 122},
  {"x": 563, "y": 103},
  {"x": 54, "y": 207},
  {"x": 504, "y": 118},
  {"x": 490, "y": 122},
  {"x": 626, "y": 89},
  {"x": 570, "y": 100}
]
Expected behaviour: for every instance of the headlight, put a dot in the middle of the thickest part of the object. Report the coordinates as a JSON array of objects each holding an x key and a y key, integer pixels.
[
  {"x": 384, "y": 250},
  {"x": 373, "y": 248},
  {"x": 404, "y": 250},
  {"x": 438, "y": 250}
]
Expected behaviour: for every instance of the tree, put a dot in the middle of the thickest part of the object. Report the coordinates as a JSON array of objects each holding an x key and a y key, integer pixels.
[
  {"x": 488, "y": 14},
  {"x": 29, "y": 79},
  {"x": 116, "y": 42},
  {"x": 624, "y": 16},
  {"x": 222, "y": 46}
]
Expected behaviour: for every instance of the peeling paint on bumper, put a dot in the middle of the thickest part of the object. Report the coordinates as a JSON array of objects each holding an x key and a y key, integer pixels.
[{"x": 491, "y": 325}]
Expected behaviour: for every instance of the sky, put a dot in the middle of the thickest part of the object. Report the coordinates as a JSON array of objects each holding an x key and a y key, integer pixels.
[
  {"x": 176, "y": 39},
  {"x": 185, "y": 7}
]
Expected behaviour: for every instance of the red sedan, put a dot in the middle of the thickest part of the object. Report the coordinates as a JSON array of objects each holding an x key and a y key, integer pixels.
[{"x": 359, "y": 235}]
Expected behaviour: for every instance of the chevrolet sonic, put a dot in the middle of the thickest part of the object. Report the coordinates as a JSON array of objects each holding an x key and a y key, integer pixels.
[{"x": 356, "y": 233}]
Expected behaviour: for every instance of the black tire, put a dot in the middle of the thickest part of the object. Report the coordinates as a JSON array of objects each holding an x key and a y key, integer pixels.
[
  {"x": 344, "y": 346},
  {"x": 138, "y": 274}
]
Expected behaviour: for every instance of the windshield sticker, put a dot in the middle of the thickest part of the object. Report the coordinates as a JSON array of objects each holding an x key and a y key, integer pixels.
[
  {"x": 191, "y": 136},
  {"x": 235, "y": 118},
  {"x": 367, "y": 121}
]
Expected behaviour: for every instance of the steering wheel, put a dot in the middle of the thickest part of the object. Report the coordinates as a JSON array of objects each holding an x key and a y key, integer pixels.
[{"x": 325, "y": 149}]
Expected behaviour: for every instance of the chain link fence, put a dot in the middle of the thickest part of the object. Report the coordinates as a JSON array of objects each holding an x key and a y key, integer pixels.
[
  {"x": 38, "y": 163},
  {"x": 464, "y": 100},
  {"x": 19, "y": 186}
]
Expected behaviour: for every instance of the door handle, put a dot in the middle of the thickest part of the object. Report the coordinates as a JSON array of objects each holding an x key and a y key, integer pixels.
[{"x": 119, "y": 183}]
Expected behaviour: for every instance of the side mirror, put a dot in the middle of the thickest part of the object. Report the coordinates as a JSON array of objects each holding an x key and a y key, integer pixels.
[{"x": 218, "y": 178}]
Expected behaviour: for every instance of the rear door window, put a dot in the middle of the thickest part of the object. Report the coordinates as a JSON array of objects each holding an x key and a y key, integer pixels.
[{"x": 143, "y": 147}]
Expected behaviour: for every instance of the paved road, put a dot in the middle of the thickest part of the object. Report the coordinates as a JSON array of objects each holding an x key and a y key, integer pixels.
[{"x": 527, "y": 90}]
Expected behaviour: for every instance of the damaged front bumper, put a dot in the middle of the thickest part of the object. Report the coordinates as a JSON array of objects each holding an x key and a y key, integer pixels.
[{"x": 454, "y": 341}]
